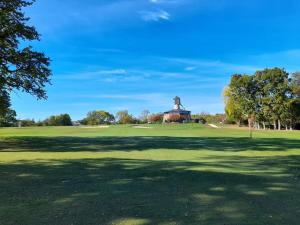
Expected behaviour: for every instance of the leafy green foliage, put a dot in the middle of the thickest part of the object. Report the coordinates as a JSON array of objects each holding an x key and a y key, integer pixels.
[
  {"x": 156, "y": 118},
  {"x": 123, "y": 117},
  {"x": 268, "y": 96},
  {"x": 8, "y": 118},
  {"x": 295, "y": 83},
  {"x": 272, "y": 93},
  {"x": 98, "y": 117},
  {"x": 206, "y": 117},
  {"x": 174, "y": 117},
  {"x": 7, "y": 115},
  {"x": 59, "y": 120},
  {"x": 233, "y": 108},
  {"x": 144, "y": 116},
  {"x": 4, "y": 101},
  {"x": 243, "y": 91},
  {"x": 21, "y": 68},
  {"x": 27, "y": 123}
]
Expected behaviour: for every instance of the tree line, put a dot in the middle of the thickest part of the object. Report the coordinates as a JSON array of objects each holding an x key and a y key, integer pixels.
[
  {"x": 96, "y": 117},
  {"x": 102, "y": 117},
  {"x": 270, "y": 98}
]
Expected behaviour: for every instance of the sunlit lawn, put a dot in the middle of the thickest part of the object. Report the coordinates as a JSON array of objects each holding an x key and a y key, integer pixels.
[{"x": 167, "y": 174}]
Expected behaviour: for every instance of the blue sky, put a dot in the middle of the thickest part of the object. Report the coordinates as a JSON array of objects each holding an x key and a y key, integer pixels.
[{"x": 139, "y": 54}]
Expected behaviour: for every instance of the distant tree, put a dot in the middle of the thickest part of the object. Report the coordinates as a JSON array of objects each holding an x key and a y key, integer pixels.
[
  {"x": 123, "y": 117},
  {"x": 40, "y": 123},
  {"x": 243, "y": 91},
  {"x": 268, "y": 96},
  {"x": 295, "y": 84},
  {"x": 294, "y": 102},
  {"x": 202, "y": 120},
  {"x": 98, "y": 117},
  {"x": 156, "y": 118},
  {"x": 205, "y": 117},
  {"x": 144, "y": 116},
  {"x": 274, "y": 86},
  {"x": 51, "y": 121},
  {"x": 233, "y": 108},
  {"x": 295, "y": 112},
  {"x": 175, "y": 118},
  {"x": 59, "y": 120},
  {"x": 8, "y": 118},
  {"x": 27, "y": 123},
  {"x": 197, "y": 118},
  {"x": 21, "y": 68},
  {"x": 65, "y": 120},
  {"x": 262, "y": 99}
]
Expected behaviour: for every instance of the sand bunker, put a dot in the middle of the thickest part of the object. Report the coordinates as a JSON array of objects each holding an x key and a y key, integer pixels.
[
  {"x": 142, "y": 127},
  {"x": 94, "y": 127},
  {"x": 213, "y": 126}
]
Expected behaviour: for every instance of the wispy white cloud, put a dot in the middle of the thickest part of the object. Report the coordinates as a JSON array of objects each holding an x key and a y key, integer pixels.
[
  {"x": 115, "y": 71},
  {"x": 165, "y": 1},
  {"x": 109, "y": 50},
  {"x": 114, "y": 75},
  {"x": 155, "y": 16},
  {"x": 190, "y": 68},
  {"x": 100, "y": 16},
  {"x": 212, "y": 66},
  {"x": 151, "y": 99},
  {"x": 93, "y": 74},
  {"x": 194, "y": 69}
]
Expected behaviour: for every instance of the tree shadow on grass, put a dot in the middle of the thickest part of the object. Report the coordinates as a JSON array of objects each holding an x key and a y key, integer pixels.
[
  {"x": 141, "y": 143},
  {"x": 108, "y": 191}
]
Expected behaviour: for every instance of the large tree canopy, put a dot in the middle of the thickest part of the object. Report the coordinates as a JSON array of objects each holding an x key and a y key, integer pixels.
[
  {"x": 59, "y": 120},
  {"x": 98, "y": 117},
  {"x": 21, "y": 68},
  {"x": 269, "y": 96},
  {"x": 296, "y": 83}
]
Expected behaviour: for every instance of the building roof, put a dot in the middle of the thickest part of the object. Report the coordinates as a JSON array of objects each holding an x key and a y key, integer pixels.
[{"x": 179, "y": 111}]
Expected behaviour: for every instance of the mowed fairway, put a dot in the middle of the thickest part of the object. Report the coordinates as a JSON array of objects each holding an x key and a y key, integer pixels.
[{"x": 171, "y": 174}]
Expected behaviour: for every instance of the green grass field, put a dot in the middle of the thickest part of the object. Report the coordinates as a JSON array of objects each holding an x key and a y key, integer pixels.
[{"x": 171, "y": 174}]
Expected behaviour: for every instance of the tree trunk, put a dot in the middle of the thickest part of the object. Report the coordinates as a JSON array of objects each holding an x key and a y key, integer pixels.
[
  {"x": 286, "y": 127},
  {"x": 264, "y": 125},
  {"x": 275, "y": 125},
  {"x": 291, "y": 125},
  {"x": 250, "y": 127},
  {"x": 279, "y": 125},
  {"x": 258, "y": 125},
  {"x": 239, "y": 123}
]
